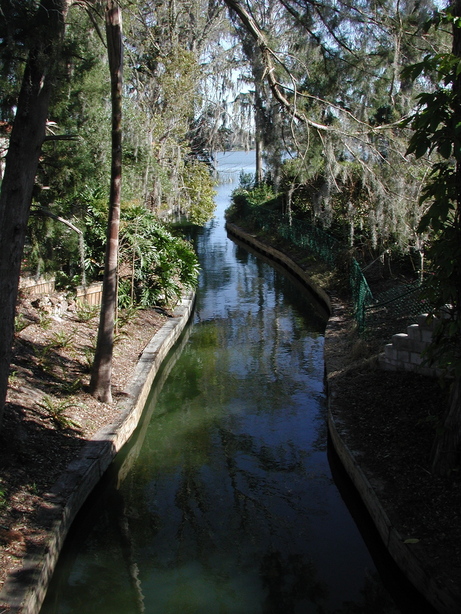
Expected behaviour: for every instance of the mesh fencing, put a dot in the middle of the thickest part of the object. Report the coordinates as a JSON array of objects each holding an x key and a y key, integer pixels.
[
  {"x": 320, "y": 243},
  {"x": 400, "y": 303},
  {"x": 403, "y": 303}
]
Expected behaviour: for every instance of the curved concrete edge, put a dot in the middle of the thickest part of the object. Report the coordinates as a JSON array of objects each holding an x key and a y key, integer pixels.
[
  {"x": 282, "y": 259},
  {"x": 408, "y": 557},
  {"x": 25, "y": 590}
]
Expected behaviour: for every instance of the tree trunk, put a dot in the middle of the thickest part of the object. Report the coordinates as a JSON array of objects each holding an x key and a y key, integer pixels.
[
  {"x": 100, "y": 385},
  {"x": 259, "y": 160},
  {"x": 22, "y": 160}
]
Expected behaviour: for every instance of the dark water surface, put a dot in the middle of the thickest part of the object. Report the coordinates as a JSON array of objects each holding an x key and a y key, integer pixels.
[{"x": 224, "y": 502}]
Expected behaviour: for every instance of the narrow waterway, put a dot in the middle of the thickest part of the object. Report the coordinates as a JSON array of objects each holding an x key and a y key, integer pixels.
[{"x": 224, "y": 502}]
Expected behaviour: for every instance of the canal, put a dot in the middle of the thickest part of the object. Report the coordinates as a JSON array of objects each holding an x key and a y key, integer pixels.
[{"x": 224, "y": 501}]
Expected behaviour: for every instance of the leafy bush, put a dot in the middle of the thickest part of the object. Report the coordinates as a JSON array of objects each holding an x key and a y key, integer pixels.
[{"x": 155, "y": 266}]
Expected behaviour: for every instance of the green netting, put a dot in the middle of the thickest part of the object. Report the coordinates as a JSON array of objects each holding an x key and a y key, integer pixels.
[
  {"x": 361, "y": 293},
  {"x": 402, "y": 303},
  {"x": 303, "y": 235},
  {"x": 321, "y": 244}
]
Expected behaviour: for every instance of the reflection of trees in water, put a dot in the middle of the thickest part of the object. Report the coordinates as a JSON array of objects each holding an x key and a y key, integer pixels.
[
  {"x": 194, "y": 502},
  {"x": 289, "y": 580},
  {"x": 375, "y": 599},
  {"x": 286, "y": 579},
  {"x": 256, "y": 356},
  {"x": 127, "y": 544}
]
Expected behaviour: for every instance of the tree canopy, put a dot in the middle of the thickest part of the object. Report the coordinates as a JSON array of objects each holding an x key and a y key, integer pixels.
[{"x": 352, "y": 106}]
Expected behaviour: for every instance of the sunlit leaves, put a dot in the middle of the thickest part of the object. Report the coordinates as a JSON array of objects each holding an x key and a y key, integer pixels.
[{"x": 199, "y": 192}]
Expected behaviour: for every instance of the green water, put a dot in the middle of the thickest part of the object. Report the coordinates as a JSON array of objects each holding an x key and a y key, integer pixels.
[{"x": 224, "y": 502}]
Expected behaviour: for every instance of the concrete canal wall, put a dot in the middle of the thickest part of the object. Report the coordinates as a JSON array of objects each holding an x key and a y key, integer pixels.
[
  {"x": 24, "y": 593},
  {"x": 409, "y": 557},
  {"x": 25, "y": 590}
]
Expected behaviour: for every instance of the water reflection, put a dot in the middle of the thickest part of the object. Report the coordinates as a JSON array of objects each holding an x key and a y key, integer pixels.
[{"x": 225, "y": 502}]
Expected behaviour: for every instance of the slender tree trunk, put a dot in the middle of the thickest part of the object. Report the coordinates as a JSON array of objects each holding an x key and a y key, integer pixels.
[
  {"x": 100, "y": 385},
  {"x": 259, "y": 160},
  {"x": 21, "y": 165},
  {"x": 289, "y": 210}
]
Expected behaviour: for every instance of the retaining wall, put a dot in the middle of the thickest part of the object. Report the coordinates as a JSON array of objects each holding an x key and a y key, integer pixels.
[
  {"x": 91, "y": 294},
  {"x": 37, "y": 286},
  {"x": 405, "y": 352},
  {"x": 25, "y": 590},
  {"x": 410, "y": 558}
]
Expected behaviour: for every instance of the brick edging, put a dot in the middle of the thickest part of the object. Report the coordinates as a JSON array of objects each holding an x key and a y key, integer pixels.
[{"x": 25, "y": 589}]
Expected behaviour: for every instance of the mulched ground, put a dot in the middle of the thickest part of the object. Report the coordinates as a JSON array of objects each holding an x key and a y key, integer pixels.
[{"x": 390, "y": 420}]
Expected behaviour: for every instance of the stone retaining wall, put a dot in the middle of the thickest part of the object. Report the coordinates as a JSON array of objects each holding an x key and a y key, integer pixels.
[{"x": 406, "y": 350}]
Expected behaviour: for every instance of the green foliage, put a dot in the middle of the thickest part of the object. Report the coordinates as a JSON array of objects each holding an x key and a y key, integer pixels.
[
  {"x": 79, "y": 115},
  {"x": 44, "y": 320},
  {"x": 86, "y": 312},
  {"x": 49, "y": 244},
  {"x": 199, "y": 188},
  {"x": 125, "y": 316},
  {"x": 247, "y": 181},
  {"x": 71, "y": 387},
  {"x": 95, "y": 209},
  {"x": 20, "y": 323},
  {"x": 62, "y": 339},
  {"x": 350, "y": 200},
  {"x": 67, "y": 282},
  {"x": 15, "y": 36},
  {"x": 56, "y": 408},
  {"x": 3, "y": 498},
  {"x": 88, "y": 352},
  {"x": 254, "y": 194},
  {"x": 247, "y": 194},
  {"x": 155, "y": 266},
  {"x": 43, "y": 357},
  {"x": 437, "y": 133}
]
